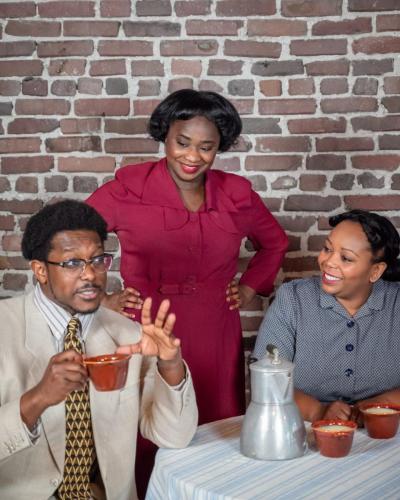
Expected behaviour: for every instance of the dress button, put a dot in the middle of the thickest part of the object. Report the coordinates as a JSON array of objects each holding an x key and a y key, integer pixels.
[
  {"x": 350, "y": 323},
  {"x": 349, "y": 347},
  {"x": 348, "y": 372},
  {"x": 54, "y": 482}
]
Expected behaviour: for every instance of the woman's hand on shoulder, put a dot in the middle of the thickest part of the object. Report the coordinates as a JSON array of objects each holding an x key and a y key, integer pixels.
[
  {"x": 239, "y": 295},
  {"x": 128, "y": 298}
]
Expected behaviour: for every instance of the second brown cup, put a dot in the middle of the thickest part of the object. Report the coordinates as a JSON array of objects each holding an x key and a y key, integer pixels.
[{"x": 334, "y": 437}]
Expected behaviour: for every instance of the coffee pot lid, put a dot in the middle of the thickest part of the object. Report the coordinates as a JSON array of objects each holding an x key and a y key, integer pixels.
[{"x": 272, "y": 362}]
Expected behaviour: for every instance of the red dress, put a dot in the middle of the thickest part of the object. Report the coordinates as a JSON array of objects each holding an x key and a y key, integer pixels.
[{"x": 189, "y": 258}]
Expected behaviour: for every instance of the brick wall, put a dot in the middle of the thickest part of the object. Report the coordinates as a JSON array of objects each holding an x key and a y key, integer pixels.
[{"x": 317, "y": 83}]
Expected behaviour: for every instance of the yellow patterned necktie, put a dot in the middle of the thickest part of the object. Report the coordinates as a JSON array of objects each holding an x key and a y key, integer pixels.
[{"x": 79, "y": 445}]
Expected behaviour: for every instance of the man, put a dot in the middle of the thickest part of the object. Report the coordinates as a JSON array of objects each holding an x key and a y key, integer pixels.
[{"x": 41, "y": 376}]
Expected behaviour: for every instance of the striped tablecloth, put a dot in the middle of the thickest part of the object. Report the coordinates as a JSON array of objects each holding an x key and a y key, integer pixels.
[{"x": 212, "y": 468}]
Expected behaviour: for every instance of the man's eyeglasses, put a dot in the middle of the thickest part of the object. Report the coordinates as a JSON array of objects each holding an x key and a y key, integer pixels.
[{"x": 100, "y": 264}]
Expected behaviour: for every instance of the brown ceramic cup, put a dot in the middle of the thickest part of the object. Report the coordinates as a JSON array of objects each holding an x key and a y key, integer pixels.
[
  {"x": 381, "y": 419},
  {"x": 108, "y": 372},
  {"x": 334, "y": 437}
]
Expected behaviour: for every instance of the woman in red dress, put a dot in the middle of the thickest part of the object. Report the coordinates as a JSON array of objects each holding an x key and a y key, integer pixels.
[{"x": 180, "y": 226}]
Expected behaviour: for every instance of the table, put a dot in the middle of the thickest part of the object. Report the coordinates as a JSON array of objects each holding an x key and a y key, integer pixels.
[{"x": 212, "y": 468}]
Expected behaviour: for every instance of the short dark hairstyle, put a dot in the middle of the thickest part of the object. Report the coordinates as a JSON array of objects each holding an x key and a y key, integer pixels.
[
  {"x": 382, "y": 236},
  {"x": 185, "y": 104},
  {"x": 66, "y": 215}
]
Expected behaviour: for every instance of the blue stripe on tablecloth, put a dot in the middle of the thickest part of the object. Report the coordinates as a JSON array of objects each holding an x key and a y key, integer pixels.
[{"x": 213, "y": 463}]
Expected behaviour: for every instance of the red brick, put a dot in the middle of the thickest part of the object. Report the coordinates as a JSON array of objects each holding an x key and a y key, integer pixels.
[
  {"x": 134, "y": 160},
  {"x": 296, "y": 224},
  {"x": 78, "y": 164},
  {"x": 32, "y": 125},
  {"x": 14, "y": 281},
  {"x": 278, "y": 68},
  {"x": 312, "y": 182},
  {"x": 56, "y": 184},
  {"x": 20, "y": 206},
  {"x": 200, "y": 48},
  {"x": 311, "y": 203},
  {"x": 63, "y": 87},
  {"x": 133, "y": 145},
  {"x": 349, "y": 104},
  {"x": 301, "y": 86},
  {"x": 21, "y": 68},
  {"x": 147, "y": 68},
  {"x": 210, "y": 85},
  {"x": 6, "y": 108},
  {"x": 273, "y": 204},
  {"x": 276, "y": 27},
  {"x": 17, "y": 9},
  {"x": 326, "y": 162},
  {"x": 4, "y": 184},
  {"x": 91, "y": 28},
  {"x": 392, "y": 84},
  {"x": 153, "y": 8},
  {"x": 132, "y": 126},
  {"x": 65, "y": 48},
  {"x": 261, "y": 126},
  {"x": 282, "y": 144},
  {"x": 107, "y": 67},
  {"x": 334, "y": 86},
  {"x": 343, "y": 182},
  {"x": 91, "y": 86},
  {"x": 271, "y": 88},
  {"x": 333, "y": 67},
  {"x": 242, "y": 9},
  {"x": 7, "y": 222},
  {"x": 10, "y": 87},
  {"x": 370, "y": 181},
  {"x": 214, "y": 28},
  {"x": 376, "y": 124},
  {"x": 387, "y": 162},
  {"x": 372, "y": 67},
  {"x": 243, "y": 106},
  {"x": 227, "y": 164},
  {"x": 287, "y": 106},
  {"x": 67, "y": 67},
  {"x": 70, "y": 143},
  {"x": 368, "y": 202},
  {"x": 102, "y": 107},
  {"x": 300, "y": 264},
  {"x": 392, "y": 104},
  {"x": 388, "y": 141},
  {"x": 144, "y": 107},
  {"x": 344, "y": 144},
  {"x": 150, "y": 87},
  {"x": 42, "y": 107},
  {"x": 20, "y": 145},
  {"x": 224, "y": 68},
  {"x": 331, "y": 46},
  {"x": 71, "y": 8},
  {"x": 83, "y": 184},
  {"x": 372, "y": 5},
  {"x": 241, "y": 87},
  {"x": 33, "y": 28},
  {"x": 252, "y": 49},
  {"x": 113, "y": 8},
  {"x": 78, "y": 126},
  {"x": 390, "y": 22},
  {"x": 284, "y": 182},
  {"x": 377, "y": 45},
  {"x": 25, "y": 184},
  {"x": 34, "y": 86},
  {"x": 317, "y": 125},
  {"x": 365, "y": 86},
  {"x": 158, "y": 29},
  {"x": 186, "y": 67},
  {"x": 344, "y": 27},
  {"x": 316, "y": 242},
  {"x": 250, "y": 323},
  {"x": 271, "y": 163},
  {"x": 24, "y": 164},
  {"x": 186, "y": 8},
  {"x": 16, "y": 49},
  {"x": 125, "y": 48},
  {"x": 311, "y": 8}
]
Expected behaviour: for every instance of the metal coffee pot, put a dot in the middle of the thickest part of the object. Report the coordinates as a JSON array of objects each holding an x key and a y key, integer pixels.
[{"x": 273, "y": 428}]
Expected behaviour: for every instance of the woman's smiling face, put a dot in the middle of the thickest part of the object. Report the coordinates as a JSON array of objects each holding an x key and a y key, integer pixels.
[
  {"x": 347, "y": 263},
  {"x": 190, "y": 148}
]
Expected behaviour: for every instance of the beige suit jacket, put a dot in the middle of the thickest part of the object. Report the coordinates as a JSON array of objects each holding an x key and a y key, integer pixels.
[{"x": 33, "y": 471}]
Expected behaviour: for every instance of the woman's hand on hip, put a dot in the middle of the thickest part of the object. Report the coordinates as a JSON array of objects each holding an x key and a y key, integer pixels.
[
  {"x": 128, "y": 298},
  {"x": 239, "y": 295}
]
